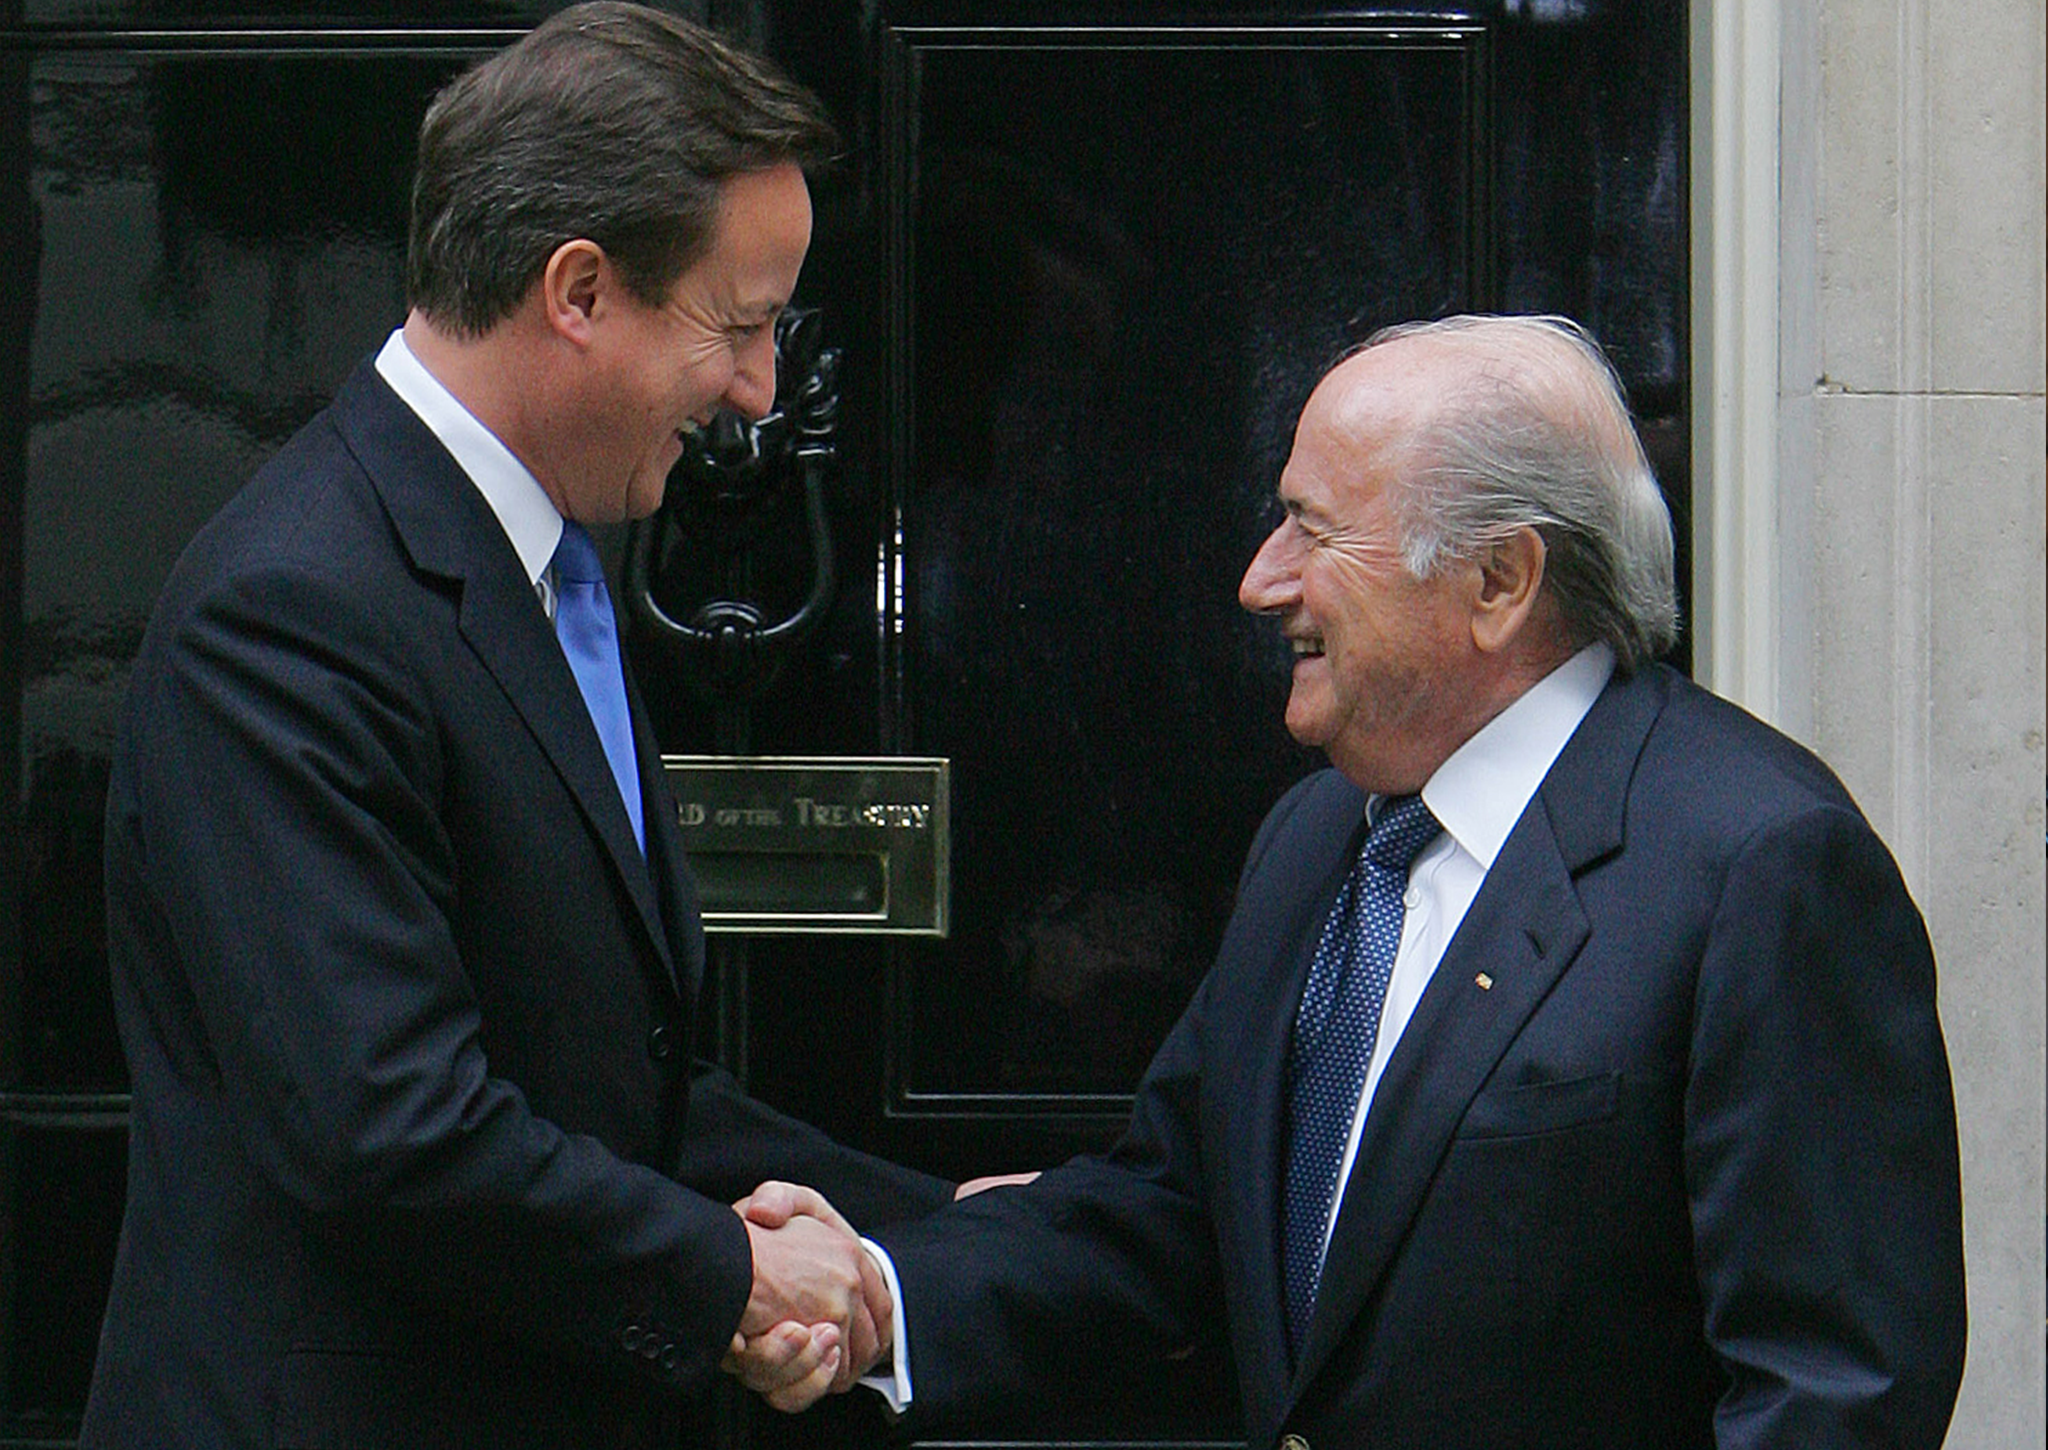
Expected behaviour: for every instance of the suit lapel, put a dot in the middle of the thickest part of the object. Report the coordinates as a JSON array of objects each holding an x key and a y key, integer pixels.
[
  {"x": 1523, "y": 931},
  {"x": 449, "y": 530}
]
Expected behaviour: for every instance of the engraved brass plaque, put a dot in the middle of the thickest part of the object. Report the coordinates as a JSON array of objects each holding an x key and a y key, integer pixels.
[{"x": 788, "y": 843}]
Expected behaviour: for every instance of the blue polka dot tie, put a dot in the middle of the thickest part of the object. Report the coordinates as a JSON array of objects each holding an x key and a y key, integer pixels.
[
  {"x": 1334, "y": 1032},
  {"x": 590, "y": 638}
]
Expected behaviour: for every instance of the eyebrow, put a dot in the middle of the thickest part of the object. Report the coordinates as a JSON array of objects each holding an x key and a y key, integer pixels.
[{"x": 1301, "y": 509}]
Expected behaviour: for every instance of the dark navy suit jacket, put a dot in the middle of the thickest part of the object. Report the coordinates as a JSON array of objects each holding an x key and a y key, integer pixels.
[
  {"x": 408, "y": 1015},
  {"x": 1681, "y": 1171}
]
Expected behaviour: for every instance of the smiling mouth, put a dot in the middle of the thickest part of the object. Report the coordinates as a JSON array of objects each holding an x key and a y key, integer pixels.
[{"x": 1310, "y": 648}]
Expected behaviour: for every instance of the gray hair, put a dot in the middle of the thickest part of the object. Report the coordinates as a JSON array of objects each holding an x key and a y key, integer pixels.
[
  {"x": 1538, "y": 436},
  {"x": 610, "y": 121}
]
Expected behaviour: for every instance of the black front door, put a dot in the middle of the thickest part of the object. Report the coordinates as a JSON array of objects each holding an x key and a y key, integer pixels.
[{"x": 1081, "y": 264}]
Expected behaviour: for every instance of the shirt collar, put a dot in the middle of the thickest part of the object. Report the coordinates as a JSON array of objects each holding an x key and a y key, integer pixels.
[
  {"x": 524, "y": 510},
  {"x": 1481, "y": 791}
]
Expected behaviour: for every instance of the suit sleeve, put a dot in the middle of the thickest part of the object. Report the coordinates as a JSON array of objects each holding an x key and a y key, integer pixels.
[
  {"x": 1095, "y": 1279},
  {"x": 736, "y": 1142},
  {"x": 282, "y": 810},
  {"x": 1820, "y": 1150}
]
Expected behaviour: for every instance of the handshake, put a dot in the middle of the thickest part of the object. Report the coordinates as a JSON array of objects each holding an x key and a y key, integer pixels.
[{"x": 820, "y": 1315}]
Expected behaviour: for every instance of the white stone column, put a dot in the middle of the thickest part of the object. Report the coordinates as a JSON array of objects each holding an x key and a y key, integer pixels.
[{"x": 1905, "y": 570}]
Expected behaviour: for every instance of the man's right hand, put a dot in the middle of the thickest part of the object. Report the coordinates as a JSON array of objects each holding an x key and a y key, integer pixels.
[{"x": 819, "y": 1315}]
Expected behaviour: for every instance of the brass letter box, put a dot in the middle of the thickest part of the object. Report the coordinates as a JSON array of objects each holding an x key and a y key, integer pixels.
[{"x": 816, "y": 843}]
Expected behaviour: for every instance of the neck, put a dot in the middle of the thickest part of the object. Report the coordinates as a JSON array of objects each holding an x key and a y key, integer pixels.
[
  {"x": 1512, "y": 674},
  {"x": 1492, "y": 682},
  {"x": 499, "y": 378}
]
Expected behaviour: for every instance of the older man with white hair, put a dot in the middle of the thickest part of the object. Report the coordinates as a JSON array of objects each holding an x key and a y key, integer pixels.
[{"x": 1569, "y": 1074}]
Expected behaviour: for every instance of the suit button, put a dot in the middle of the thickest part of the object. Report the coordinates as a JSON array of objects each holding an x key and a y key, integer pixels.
[
  {"x": 630, "y": 1338},
  {"x": 661, "y": 1042},
  {"x": 1293, "y": 1442}
]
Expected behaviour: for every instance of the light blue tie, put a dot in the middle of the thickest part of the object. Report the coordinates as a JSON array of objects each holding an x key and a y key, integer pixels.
[
  {"x": 1334, "y": 1032},
  {"x": 590, "y": 638}
]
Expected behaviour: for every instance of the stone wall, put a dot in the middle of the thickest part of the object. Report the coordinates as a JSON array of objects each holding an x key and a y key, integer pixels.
[{"x": 1911, "y": 554}]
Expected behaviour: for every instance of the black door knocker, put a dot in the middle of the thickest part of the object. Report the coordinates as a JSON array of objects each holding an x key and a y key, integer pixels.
[{"x": 725, "y": 520}]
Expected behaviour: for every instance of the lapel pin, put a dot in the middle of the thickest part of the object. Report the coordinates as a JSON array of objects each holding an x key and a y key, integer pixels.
[{"x": 1485, "y": 982}]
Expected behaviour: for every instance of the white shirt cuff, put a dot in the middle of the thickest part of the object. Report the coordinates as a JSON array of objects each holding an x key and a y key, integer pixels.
[{"x": 892, "y": 1381}]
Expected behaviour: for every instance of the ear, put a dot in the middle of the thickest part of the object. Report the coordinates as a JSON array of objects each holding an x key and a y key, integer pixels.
[
  {"x": 1510, "y": 581},
  {"x": 573, "y": 286}
]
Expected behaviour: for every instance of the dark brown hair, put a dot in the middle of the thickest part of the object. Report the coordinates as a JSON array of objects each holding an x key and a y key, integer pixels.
[{"x": 611, "y": 122}]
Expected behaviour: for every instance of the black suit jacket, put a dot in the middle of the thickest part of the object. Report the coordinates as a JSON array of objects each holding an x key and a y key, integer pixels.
[
  {"x": 1680, "y": 1171},
  {"x": 407, "y": 1012}
]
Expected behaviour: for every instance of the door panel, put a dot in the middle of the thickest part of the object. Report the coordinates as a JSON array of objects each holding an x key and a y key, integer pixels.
[
  {"x": 60, "y": 1217},
  {"x": 1098, "y": 405}
]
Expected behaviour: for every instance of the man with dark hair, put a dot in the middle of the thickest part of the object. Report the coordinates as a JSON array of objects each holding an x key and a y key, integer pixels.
[
  {"x": 405, "y": 953},
  {"x": 1569, "y": 1073}
]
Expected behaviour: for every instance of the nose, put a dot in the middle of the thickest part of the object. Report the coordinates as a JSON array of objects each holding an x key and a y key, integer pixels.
[
  {"x": 752, "y": 392},
  {"x": 1271, "y": 584}
]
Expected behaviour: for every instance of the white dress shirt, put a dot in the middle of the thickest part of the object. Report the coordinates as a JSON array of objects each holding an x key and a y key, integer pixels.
[
  {"x": 1476, "y": 796},
  {"x": 523, "y": 509}
]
